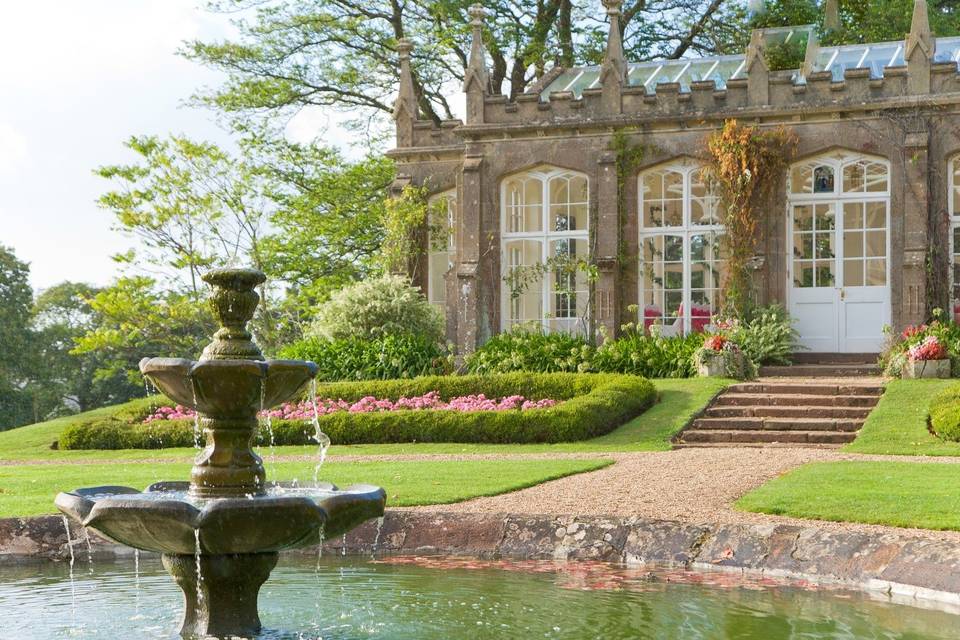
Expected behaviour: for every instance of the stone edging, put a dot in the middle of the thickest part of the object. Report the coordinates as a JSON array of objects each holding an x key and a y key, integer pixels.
[{"x": 895, "y": 563}]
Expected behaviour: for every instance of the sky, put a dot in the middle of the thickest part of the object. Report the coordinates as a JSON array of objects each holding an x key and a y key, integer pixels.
[{"x": 76, "y": 80}]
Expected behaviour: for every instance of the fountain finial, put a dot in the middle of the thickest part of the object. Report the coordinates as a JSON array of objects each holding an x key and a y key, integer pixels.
[{"x": 234, "y": 301}]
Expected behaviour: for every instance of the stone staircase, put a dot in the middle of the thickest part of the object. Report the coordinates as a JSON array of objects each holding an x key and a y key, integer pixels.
[{"x": 799, "y": 412}]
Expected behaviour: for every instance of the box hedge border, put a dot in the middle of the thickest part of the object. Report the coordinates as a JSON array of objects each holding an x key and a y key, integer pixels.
[{"x": 592, "y": 405}]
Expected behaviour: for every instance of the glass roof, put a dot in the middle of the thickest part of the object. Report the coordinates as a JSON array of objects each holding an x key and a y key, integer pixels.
[
  {"x": 720, "y": 69},
  {"x": 649, "y": 74}
]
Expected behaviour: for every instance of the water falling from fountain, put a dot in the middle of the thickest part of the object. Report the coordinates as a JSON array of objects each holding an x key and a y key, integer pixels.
[
  {"x": 376, "y": 537},
  {"x": 343, "y": 546},
  {"x": 196, "y": 555},
  {"x": 320, "y": 547},
  {"x": 136, "y": 579},
  {"x": 322, "y": 439},
  {"x": 86, "y": 539},
  {"x": 196, "y": 415},
  {"x": 267, "y": 420},
  {"x": 73, "y": 585}
]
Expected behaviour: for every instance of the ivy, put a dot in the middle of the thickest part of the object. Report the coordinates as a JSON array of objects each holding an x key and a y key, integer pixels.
[
  {"x": 628, "y": 160},
  {"x": 745, "y": 165},
  {"x": 405, "y": 217}
]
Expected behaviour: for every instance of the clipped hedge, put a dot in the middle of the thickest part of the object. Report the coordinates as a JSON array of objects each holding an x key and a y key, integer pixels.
[
  {"x": 592, "y": 405},
  {"x": 945, "y": 413}
]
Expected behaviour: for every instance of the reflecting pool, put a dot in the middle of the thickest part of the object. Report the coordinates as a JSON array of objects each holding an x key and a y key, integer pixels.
[{"x": 443, "y": 598}]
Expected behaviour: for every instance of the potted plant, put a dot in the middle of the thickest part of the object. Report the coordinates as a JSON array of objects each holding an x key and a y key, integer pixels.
[
  {"x": 927, "y": 359},
  {"x": 721, "y": 357}
]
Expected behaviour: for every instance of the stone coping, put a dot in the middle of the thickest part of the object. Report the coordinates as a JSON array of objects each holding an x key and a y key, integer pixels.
[{"x": 901, "y": 565}]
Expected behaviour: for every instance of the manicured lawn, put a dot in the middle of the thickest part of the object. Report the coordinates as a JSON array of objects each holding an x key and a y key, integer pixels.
[
  {"x": 651, "y": 431},
  {"x": 30, "y": 489},
  {"x": 898, "y": 426},
  {"x": 900, "y": 494}
]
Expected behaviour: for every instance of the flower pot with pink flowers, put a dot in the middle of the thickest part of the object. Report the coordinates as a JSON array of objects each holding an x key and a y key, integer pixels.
[{"x": 927, "y": 359}]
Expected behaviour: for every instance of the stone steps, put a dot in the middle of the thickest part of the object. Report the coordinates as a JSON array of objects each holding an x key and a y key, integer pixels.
[
  {"x": 777, "y": 424},
  {"x": 821, "y": 370},
  {"x": 785, "y": 412},
  {"x": 764, "y": 437}
]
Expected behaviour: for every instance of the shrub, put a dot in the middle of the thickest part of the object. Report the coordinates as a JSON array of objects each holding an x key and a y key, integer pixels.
[
  {"x": 945, "y": 413},
  {"x": 649, "y": 356},
  {"x": 377, "y": 307},
  {"x": 530, "y": 350},
  {"x": 592, "y": 406},
  {"x": 385, "y": 358},
  {"x": 767, "y": 337}
]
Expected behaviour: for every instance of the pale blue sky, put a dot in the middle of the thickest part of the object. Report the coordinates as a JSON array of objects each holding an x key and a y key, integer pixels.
[{"x": 76, "y": 79}]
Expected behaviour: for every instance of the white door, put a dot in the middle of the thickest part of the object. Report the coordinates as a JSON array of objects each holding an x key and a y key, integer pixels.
[{"x": 839, "y": 288}]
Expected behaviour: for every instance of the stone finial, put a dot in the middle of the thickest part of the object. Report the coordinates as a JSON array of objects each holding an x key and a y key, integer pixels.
[
  {"x": 831, "y": 18},
  {"x": 613, "y": 72},
  {"x": 919, "y": 50},
  {"x": 920, "y": 34},
  {"x": 475, "y": 80},
  {"x": 758, "y": 73},
  {"x": 405, "y": 110}
]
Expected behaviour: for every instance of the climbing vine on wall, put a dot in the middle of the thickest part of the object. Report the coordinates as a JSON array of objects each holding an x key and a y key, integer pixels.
[
  {"x": 407, "y": 216},
  {"x": 746, "y": 166}
]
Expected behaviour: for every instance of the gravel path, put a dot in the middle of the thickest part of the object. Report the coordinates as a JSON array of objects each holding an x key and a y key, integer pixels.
[{"x": 688, "y": 485}]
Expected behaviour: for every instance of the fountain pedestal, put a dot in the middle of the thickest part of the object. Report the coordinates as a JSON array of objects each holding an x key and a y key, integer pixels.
[{"x": 220, "y": 592}]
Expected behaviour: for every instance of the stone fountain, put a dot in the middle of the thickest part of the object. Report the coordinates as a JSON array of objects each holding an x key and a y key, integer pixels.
[{"x": 220, "y": 533}]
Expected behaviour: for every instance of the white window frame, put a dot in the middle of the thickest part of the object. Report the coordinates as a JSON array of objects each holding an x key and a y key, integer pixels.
[
  {"x": 545, "y": 237},
  {"x": 687, "y": 230},
  {"x": 838, "y": 161},
  {"x": 953, "y": 189},
  {"x": 451, "y": 251}
]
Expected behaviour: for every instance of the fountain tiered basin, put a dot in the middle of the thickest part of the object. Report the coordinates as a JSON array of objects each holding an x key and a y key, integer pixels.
[{"x": 220, "y": 533}]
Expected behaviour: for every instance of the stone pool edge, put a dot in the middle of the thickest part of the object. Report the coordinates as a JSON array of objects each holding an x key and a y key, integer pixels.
[{"x": 899, "y": 564}]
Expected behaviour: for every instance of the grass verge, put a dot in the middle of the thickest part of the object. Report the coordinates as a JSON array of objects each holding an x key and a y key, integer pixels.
[
  {"x": 679, "y": 401},
  {"x": 29, "y": 490},
  {"x": 899, "y": 494},
  {"x": 898, "y": 426}
]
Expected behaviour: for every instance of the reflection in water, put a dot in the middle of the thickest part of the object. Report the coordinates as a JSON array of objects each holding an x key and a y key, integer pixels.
[{"x": 441, "y": 598}]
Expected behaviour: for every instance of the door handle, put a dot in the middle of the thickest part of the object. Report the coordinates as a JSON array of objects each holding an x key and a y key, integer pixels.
[{"x": 843, "y": 294}]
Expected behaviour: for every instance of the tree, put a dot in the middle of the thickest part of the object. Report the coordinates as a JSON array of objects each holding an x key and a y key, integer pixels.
[
  {"x": 191, "y": 206},
  {"x": 137, "y": 319},
  {"x": 15, "y": 340},
  {"x": 327, "y": 220},
  {"x": 294, "y": 54},
  {"x": 66, "y": 381}
]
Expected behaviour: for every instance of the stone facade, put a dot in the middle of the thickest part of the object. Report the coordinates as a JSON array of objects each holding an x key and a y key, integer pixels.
[{"x": 906, "y": 117}]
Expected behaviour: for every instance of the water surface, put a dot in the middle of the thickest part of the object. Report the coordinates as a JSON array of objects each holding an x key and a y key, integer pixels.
[{"x": 447, "y": 598}]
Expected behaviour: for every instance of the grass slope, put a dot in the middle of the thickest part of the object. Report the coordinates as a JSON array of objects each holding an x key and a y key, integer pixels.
[
  {"x": 898, "y": 426},
  {"x": 899, "y": 494},
  {"x": 651, "y": 431},
  {"x": 30, "y": 489}
]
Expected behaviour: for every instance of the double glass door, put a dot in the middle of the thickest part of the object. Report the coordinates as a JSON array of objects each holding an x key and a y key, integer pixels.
[{"x": 839, "y": 273}]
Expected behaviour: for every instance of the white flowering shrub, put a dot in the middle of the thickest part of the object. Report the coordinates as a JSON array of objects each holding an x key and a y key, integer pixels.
[{"x": 377, "y": 307}]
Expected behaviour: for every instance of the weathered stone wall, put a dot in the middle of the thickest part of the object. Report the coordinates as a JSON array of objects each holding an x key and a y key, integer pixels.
[
  {"x": 918, "y": 142},
  {"x": 898, "y": 563}
]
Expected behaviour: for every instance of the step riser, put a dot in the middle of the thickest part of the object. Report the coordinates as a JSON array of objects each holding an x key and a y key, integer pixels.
[
  {"x": 806, "y": 389},
  {"x": 741, "y": 400},
  {"x": 767, "y": 437},
  {"x": 789, "y": 412},
  {"x": 776, "y": 424},
  {"x": 819, "y": 372}
]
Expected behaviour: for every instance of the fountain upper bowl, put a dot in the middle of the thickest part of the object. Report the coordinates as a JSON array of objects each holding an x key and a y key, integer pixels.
[
  {"x": 165, "y": 519},
  {"x": 229, "y": 387}
]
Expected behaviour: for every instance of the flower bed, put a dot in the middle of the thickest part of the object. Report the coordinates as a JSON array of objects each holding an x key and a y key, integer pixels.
[
  {"x": 938, "y": 340},
  {"x": 583, "y": 406},
  {"x": 306, "y": 410}
]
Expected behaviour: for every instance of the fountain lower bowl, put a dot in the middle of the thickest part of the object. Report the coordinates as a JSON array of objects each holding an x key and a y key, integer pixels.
[{"x": 166, "y": 519}]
